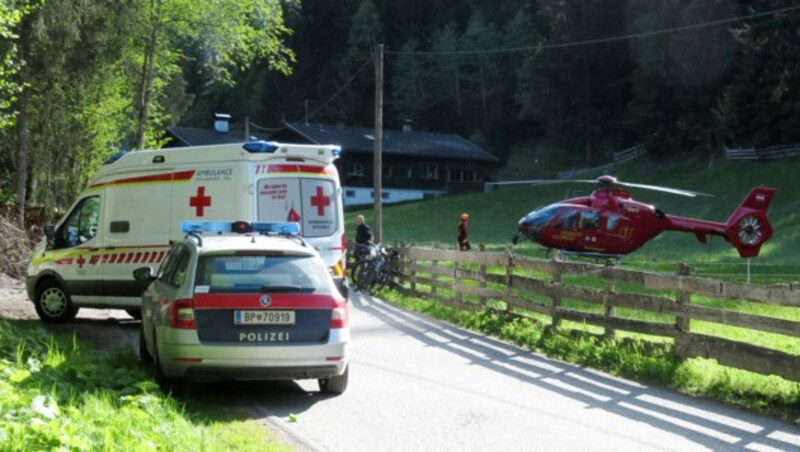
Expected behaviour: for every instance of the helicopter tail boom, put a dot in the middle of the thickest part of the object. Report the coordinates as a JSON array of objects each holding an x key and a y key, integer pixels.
[{"x": 748, "y": 227}]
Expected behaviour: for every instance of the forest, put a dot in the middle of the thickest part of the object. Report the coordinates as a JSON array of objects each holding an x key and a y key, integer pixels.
[{"x": 574, "y": 79}]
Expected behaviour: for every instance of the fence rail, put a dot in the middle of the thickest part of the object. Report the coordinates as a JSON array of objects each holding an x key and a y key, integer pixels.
[
  {"x": 770, "y": 153},
  {"x": 520, "y": 286},
  {"x": 622, "y": 156}
]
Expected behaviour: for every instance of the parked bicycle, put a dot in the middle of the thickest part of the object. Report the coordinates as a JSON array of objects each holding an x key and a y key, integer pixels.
[{"x": 375, "y": 269}]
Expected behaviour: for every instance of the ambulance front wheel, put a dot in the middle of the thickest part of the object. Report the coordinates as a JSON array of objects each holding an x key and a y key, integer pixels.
[{"x": 53, "y": 304}]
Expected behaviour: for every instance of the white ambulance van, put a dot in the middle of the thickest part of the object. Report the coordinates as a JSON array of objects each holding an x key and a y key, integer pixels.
[{"x": 134, "y": 206}]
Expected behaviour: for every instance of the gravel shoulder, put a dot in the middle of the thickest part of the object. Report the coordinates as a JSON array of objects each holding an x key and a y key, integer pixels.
[{"x": 107, "y": 329}]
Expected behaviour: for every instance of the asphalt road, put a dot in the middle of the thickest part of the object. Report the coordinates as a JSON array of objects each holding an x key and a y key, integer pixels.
[{"x": 417, "y": 384}]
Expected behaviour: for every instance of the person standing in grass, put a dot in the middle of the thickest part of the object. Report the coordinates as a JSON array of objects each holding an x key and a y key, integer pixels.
[
  {"x": 463, "y": 233},
  {"x": 363, "y": 237}
]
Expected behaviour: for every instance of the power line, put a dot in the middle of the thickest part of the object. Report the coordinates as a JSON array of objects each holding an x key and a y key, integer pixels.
[
  {"x": 599, "y": 40},
  {"x": 339, "y": 91},
  {"x": 336, "y": 94}
]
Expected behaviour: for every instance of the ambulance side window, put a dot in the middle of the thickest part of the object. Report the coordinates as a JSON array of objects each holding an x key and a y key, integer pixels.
[{"x": 81, "y": 225}]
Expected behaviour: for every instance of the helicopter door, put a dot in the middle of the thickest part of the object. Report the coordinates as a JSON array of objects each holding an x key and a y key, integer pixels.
[{"x": 590, "y": 220}]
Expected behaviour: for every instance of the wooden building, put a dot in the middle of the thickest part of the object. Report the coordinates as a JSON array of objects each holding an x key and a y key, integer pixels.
[{"x": 416, "y": 165}]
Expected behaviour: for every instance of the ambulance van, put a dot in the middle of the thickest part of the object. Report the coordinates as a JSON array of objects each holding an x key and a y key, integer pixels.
[{"x": 134, "y": 206}]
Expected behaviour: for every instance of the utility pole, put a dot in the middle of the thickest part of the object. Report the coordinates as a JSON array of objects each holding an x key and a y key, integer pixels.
[
  {"x": 377, "y": 164},
  {"x": 246, "y": 128}
]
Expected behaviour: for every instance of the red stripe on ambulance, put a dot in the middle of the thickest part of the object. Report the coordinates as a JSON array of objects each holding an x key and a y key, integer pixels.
[{"x": 180, "y": 176}]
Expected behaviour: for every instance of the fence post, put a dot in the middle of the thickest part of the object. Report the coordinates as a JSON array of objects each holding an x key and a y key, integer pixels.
[
  {"x": 482, "y": 272},
  {"x": 412, "y": 272},
  {"x": 456, "y": 284},
  {"x": 682, "y": 320},
  {"x": 556, "y": 294},
  {"x": 434, "y": 277},
  {"x": 608, "y": 307}
]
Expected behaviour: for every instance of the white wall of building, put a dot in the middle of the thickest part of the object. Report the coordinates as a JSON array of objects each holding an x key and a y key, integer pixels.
[{"x": 354, "y": 196}]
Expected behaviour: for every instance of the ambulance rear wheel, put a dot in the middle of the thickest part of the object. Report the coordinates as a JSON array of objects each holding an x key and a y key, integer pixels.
[{"x": 53, "y": 304}]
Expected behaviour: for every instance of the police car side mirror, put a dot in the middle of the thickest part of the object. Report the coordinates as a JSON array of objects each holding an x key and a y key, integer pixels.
[
  {"x": 143, "y": 274},
  {"x": 50, "y": 234}
]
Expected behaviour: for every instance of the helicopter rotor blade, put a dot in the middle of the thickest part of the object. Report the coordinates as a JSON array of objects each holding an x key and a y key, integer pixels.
[
  {"x": 542, "y": 182},
  {"x": 673, "y": 191}
]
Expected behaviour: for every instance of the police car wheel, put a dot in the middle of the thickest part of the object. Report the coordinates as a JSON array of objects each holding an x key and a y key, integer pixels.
[
  {"x": 167, "y": 384},
  {"x": 336, "y": 384},
  {"x": 53, "y": 303},
  {"x": 144, "y": 355}
]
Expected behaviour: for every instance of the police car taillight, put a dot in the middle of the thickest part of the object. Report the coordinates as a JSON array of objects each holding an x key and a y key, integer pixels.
[
  {"x": 266, "y": 147},
  {"x": 340, "y": 315},
  {"x": 181, "y": 314}
]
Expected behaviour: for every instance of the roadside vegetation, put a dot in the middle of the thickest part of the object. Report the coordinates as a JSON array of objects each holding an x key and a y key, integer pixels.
[
  {"x": 626, "y": 357},
  {"x": 57, "y": 393}
]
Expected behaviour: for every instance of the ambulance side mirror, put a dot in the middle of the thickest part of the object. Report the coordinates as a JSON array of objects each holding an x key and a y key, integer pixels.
[
  {"x": 50, "y": 235},
  {"x": 143, "y": 274}
]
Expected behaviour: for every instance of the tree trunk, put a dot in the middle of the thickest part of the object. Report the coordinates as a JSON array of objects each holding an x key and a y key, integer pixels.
[
  {"x": 145, "y": 87},
  {"x": 23, "y": 134}
]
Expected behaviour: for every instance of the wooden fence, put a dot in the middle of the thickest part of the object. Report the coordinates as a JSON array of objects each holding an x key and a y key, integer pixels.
[
  {"x": 612, "y": 298},
  {"x": 764, "y": 154}
]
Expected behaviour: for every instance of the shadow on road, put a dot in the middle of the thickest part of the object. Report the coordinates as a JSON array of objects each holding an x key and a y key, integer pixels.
[{"x": 714, "y": 426}]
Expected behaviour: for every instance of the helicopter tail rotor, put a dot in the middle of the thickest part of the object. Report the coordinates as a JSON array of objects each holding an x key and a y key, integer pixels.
[{"x": 748, "y": 227}]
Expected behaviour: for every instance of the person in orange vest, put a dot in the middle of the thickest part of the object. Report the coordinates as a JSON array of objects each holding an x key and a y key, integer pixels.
[{"x": 463, "y": 233}]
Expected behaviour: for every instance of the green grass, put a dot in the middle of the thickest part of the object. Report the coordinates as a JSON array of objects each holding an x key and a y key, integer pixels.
[
  {"x": 628, "y": 357},
  {"x": 56, "y": 393},
  {"x": 493, "y": 215}
]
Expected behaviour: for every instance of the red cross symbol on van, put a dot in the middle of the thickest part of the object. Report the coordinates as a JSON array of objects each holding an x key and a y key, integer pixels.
[
  {"x": 320, "y": 201},
  {"x": 200, "y": 201}
]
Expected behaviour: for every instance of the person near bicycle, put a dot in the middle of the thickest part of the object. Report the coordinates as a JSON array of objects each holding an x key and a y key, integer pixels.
[
  {"x": 363, "y": 238},
  {"x": 463, "y": 234}
]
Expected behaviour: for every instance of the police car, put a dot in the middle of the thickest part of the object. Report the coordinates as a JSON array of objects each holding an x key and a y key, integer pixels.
[{"x": 250, "y": 301}]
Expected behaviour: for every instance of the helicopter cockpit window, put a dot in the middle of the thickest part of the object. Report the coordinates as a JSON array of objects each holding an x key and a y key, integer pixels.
[
  {"x": 611, "y": 222},
  {"x": 567, "y": 220},
  {"x": 589, "y": 220}
]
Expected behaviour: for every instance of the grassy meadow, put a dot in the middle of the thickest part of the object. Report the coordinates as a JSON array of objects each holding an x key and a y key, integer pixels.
[{"x": 493, "y": 215}]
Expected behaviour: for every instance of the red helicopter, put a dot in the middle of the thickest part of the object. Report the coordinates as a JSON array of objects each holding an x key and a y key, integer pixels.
[{"x": 609, "y": 223}]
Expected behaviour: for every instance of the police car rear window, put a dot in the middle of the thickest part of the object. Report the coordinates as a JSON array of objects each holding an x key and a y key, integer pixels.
[{"x": 238, "y": 273}]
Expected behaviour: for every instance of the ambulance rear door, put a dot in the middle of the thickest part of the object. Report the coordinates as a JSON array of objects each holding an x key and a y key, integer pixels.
[{"x": 307, "y": 195}]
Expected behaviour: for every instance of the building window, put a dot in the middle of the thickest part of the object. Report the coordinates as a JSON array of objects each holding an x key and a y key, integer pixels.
[
  {"x": 409, "y": 172},
  {"x": 350, "y": 193},
  {"x": 387, "y": 171},
  {"x": 432, "y": 172},
  {"x": 356, "y": 170},
  {"x": 462, "y": 176}
]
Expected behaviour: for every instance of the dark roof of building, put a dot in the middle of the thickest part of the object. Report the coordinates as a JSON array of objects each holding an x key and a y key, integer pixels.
[
  {"x": 196, "y": 136},
  {"x": 395, "y": 142}
]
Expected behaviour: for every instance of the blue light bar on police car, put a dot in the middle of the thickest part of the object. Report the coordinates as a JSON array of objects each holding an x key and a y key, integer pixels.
[
  {"x": 260, "y": 146},
  {"x": 205, "y": 226},
  {"x": 286, "y": 228}
]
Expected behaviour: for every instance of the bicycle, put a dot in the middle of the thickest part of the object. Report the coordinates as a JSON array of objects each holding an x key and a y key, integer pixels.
[{"x": 375, "y": 270}]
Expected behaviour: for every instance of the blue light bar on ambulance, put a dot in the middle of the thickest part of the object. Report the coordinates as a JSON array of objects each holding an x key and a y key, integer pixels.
[
  {"x": 267, "y": 147},
  {"x": 336, "y": 151},
  {"x": 206, "y": 226},
  {"x": 283, "y": 228}
]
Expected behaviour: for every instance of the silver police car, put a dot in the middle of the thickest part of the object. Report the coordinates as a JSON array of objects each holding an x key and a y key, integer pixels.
[{"x": 259, "y": 304}]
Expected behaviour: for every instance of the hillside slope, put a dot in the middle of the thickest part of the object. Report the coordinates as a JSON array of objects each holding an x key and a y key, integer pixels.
[{"x": 493, "y": 215}]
